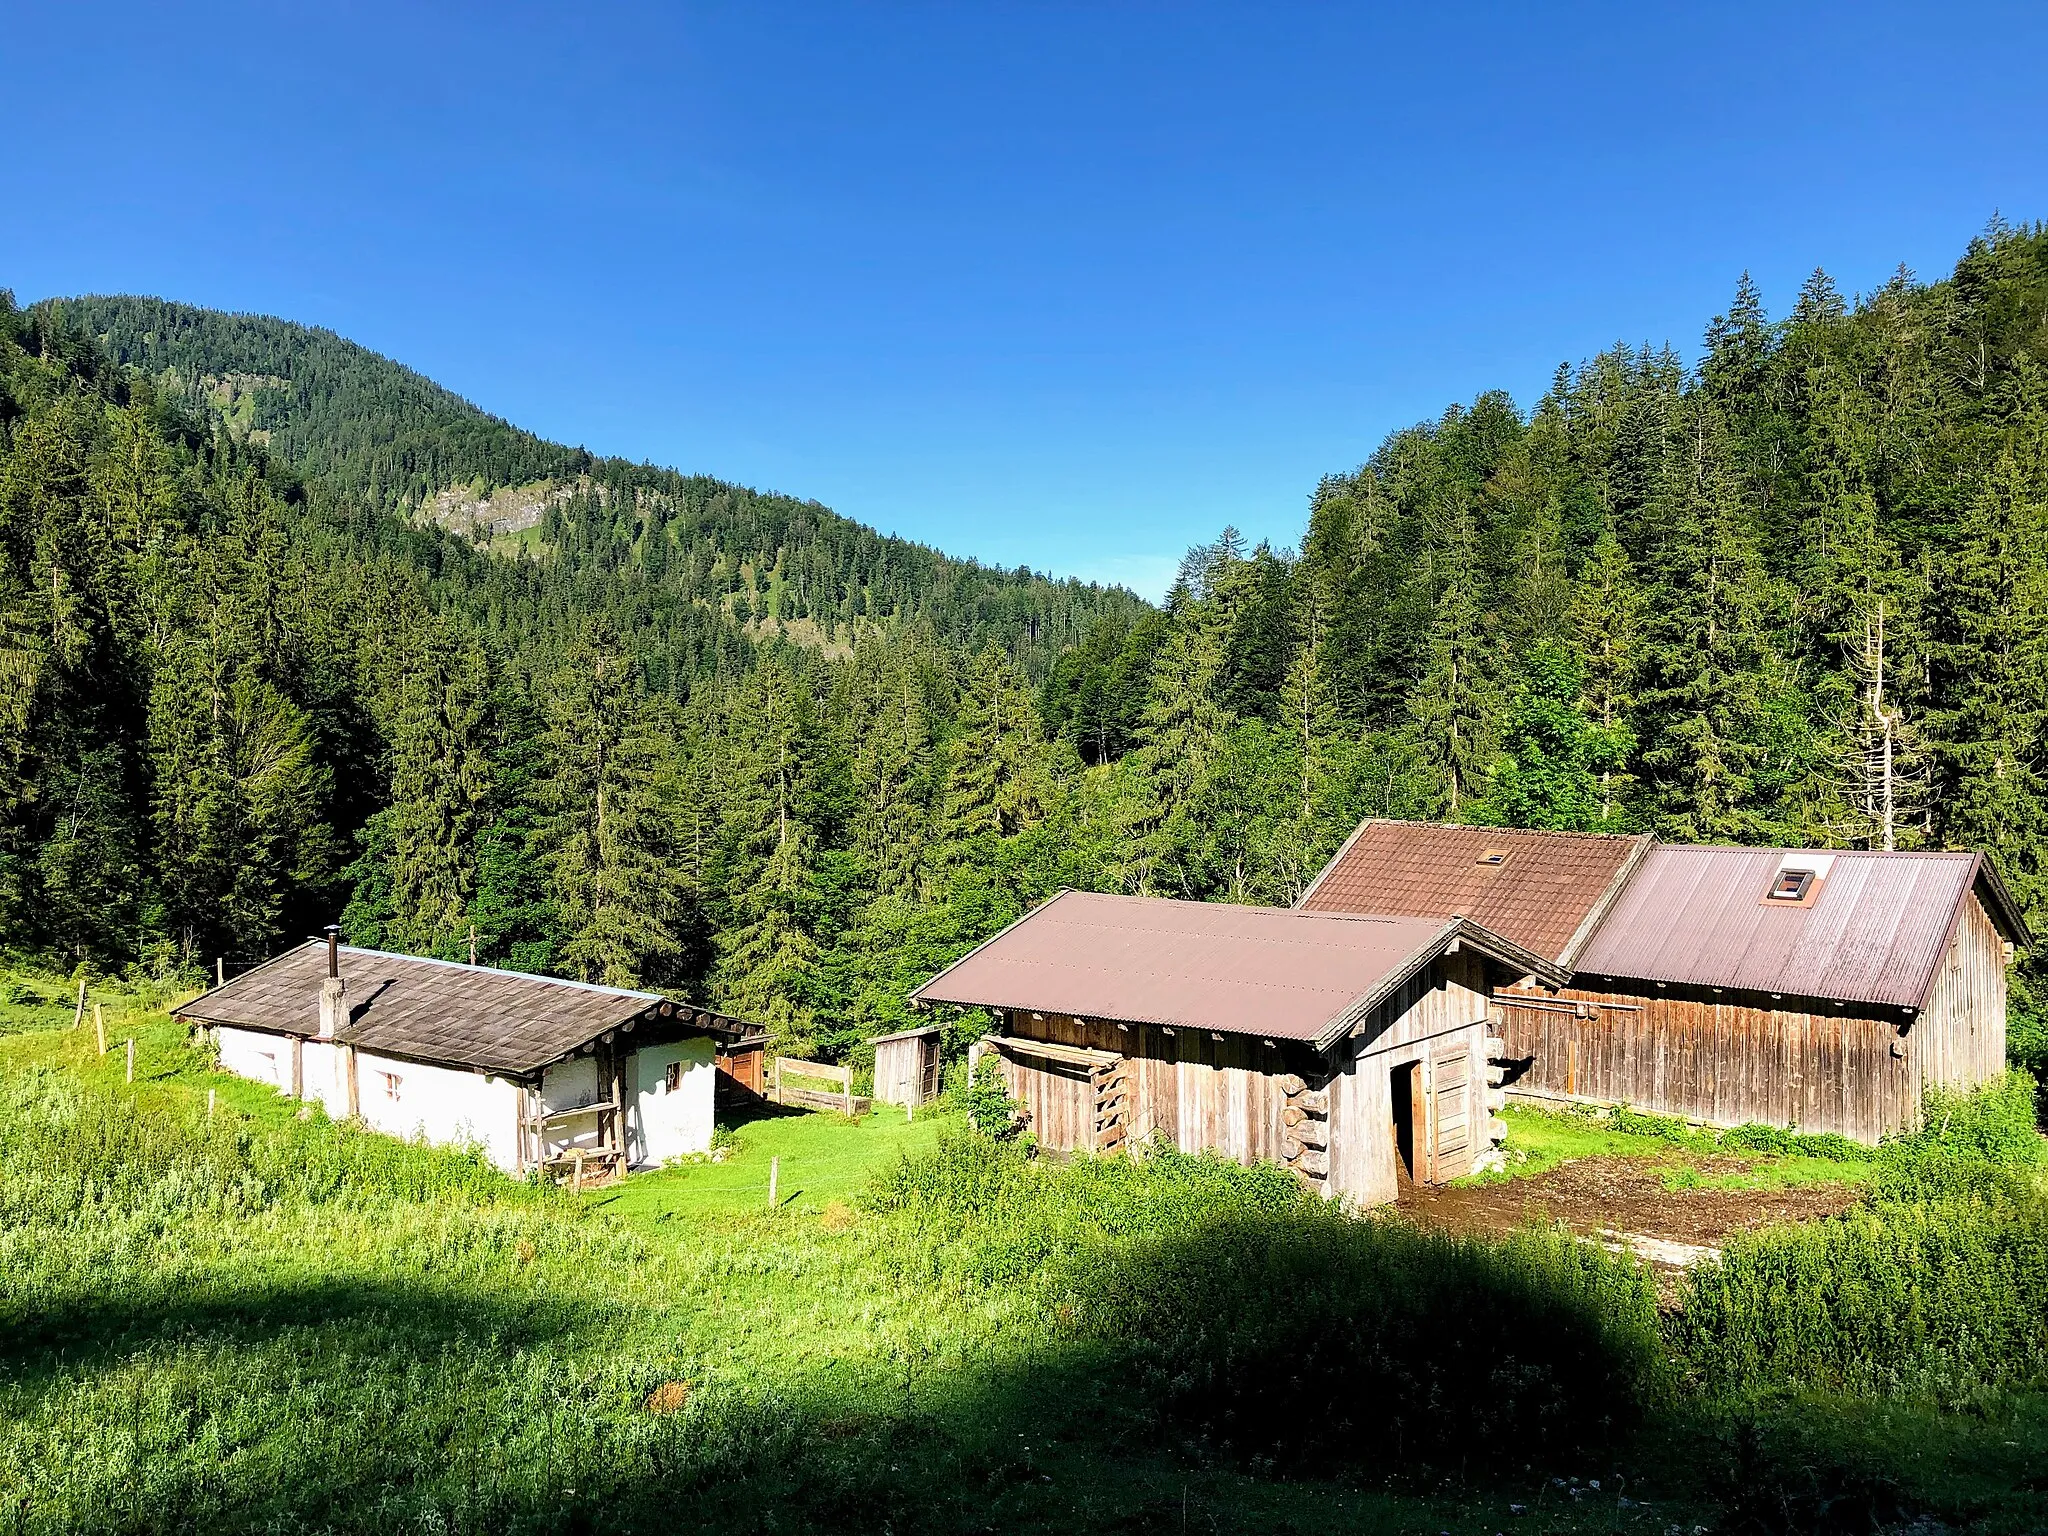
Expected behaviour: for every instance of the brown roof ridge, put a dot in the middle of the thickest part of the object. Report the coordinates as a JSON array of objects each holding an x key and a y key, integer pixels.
[
  {"x": 1597, "y": 913},
  {"x": 1481, "y": 826},
  {"x": 1454, "y": 930}
]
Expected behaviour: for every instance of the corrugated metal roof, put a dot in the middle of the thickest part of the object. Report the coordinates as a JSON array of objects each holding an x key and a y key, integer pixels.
[
  {"x": 428, "y": 1010},
  {"x": 1543, "y": 893},
  {"x": 1199, "y": 965},
  {"x": 1874, "y": 933}
]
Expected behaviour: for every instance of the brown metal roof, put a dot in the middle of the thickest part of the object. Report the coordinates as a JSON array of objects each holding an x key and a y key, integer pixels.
[
  {"x": 1874, "y": 932},
  {"x": 1206, "y": 965},
  {"x": 1547, "y": 893},
  {"x": 427, "y": 1010}
]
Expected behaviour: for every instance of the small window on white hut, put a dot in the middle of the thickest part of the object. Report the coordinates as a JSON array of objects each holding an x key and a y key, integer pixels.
[
  {"x": 673, "y": 1078},
  {"x": 391, "y": 1081},
  {"x": 1791, "y": 885}
]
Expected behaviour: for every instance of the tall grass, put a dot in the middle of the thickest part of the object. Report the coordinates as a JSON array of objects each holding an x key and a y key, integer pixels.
[
  {"x": 254, "y": 1322},
  {"x": 1269, "y": 1324},
  {"x": 1935, "y": 1286}
]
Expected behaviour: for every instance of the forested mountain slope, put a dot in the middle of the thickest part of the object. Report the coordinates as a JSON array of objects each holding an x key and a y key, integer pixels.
[
  {"x": 377, "y": 435},
  {"x": 1796, "y": 593}
]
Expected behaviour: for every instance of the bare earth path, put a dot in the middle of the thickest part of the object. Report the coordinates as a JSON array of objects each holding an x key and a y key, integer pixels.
[{"x": 1622, "y": 1201}]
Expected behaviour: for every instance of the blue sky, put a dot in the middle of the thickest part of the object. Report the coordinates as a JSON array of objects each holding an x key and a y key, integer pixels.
[{"x": 1069, "y": 286}]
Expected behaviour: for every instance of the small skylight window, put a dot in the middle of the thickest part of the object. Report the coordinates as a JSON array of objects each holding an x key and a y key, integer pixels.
[
  {"x": 1494, "y": 856},
  {"x": 1791, "y": 885}
]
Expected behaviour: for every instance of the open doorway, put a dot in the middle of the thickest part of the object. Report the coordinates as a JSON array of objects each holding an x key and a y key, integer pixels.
[{"x": 1405, "y": 1092}]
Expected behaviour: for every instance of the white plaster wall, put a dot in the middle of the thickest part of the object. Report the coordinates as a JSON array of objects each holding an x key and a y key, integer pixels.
[
  {"x": 668, "y": 1124},
  {"x": 566, "y": 1085},
  {"x": 324, "y": 1077},
  {"x": 449, "y": 1106},
  {"x": 261, "y": 1057}
]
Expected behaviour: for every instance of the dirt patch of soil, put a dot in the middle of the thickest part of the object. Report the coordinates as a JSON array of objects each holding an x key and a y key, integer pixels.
[{"x": 1604, "y": 1196}]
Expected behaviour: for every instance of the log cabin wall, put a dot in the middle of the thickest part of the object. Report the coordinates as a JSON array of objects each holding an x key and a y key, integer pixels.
[
  {"x": 1230, "y": 1094},
  {"x": 1200, "y": 1091},
  {"x": 1732, "y": 1057}
]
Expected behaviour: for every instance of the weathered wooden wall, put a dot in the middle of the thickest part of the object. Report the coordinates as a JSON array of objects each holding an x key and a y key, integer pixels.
[
  {"x": 1439, "y": 1020},
  {"x": 1959, "y": 1039},
  {"x": 1230, "y": 1094},
  {"x": 1198, "y": 1090},
  {"x": 1731, "y": 1057},
  {"x": 907, "y": 1067}
]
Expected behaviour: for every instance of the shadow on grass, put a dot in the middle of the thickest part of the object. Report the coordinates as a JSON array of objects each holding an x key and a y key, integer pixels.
[
  {"x": 1324, "y": 1351},
  {"x": 88, "y": 1333}
]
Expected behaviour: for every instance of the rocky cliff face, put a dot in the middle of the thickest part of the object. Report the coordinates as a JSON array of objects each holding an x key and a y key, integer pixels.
[{"x": 508, "y": 509}]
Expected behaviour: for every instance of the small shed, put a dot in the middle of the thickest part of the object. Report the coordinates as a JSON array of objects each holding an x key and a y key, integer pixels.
[
  {"x": 907, "y": 1066},
  {"x": 1353, "y": 1049},
  {"x": 538, "y": 1071}
]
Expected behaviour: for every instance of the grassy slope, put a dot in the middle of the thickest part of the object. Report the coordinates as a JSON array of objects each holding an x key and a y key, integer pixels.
[{"x": 478, "y": 1355}]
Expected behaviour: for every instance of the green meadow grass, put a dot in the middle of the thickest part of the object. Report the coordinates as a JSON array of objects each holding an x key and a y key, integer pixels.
[
  {"x": 822, "y": 1160},
  {"x": 1539, "y": 1140},
  {"x": 260, "y": 1321}
]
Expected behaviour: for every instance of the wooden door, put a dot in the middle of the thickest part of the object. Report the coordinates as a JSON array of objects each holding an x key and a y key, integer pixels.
[{"x": 1450, "y": 1117}]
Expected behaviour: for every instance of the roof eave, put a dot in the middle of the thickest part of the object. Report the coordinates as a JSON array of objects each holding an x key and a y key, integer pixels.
[
  {"x": 2003, "y": 907},
  {"x": 1461, "y": 930}
]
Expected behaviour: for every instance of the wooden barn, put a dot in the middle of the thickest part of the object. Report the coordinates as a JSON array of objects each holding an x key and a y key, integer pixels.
[
  {"x": 1796, "y": 987},
  {"x": 1352, "y": 1048},
  {"x": 539, "y": 1072}
]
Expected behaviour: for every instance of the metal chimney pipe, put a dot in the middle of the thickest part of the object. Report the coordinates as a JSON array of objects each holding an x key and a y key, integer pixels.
[{"x": 334, "y": 949}]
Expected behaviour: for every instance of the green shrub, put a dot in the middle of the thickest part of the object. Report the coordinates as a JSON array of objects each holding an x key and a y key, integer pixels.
[
  {"x": 990, "y": 1109},
  {"x": 1630, "y": 1122},
  {"x": 1756, "y": 1137},
  {"x": 1940, "y": 1300},
  {"x": 1994, "y": 1123}
]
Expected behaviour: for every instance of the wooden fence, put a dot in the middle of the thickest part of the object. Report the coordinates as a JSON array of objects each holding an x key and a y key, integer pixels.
[{"x": 781, "y": 1091}]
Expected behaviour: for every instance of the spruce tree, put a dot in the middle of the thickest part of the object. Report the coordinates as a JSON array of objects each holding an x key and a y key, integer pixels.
[
  {"x": 1179, "y": 737},
  {"x": 440, "y": 783},
  {"x": 1990, "y": 727},
  {"x": 1705, "y": 648},
  {"x": 1452, "y": 706},
  {"x": 1605, "y": 623},
  {"x": 607, "y": 837}
]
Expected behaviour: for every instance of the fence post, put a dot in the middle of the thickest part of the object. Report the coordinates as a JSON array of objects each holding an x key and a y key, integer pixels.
[
  {"x": 99, "y": 1030},
  {"x": 209, "y": 1102},
  {"x": 78, "y": 1018},
  {"x": 220, "y": 970},
  {"x": 131, "y": 1058},
  {"x": 774, "y": 1169}
]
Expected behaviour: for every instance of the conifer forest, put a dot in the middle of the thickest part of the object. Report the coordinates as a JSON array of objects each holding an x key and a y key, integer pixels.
[{"x": 679, "y": 733}]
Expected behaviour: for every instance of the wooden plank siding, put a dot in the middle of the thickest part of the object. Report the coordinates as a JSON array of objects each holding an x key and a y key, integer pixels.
[
  {"x": 1727, "y": 1058},
  {"x": 1959, "y": 1039},
  {"x": 1201, "y": 1091}
]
